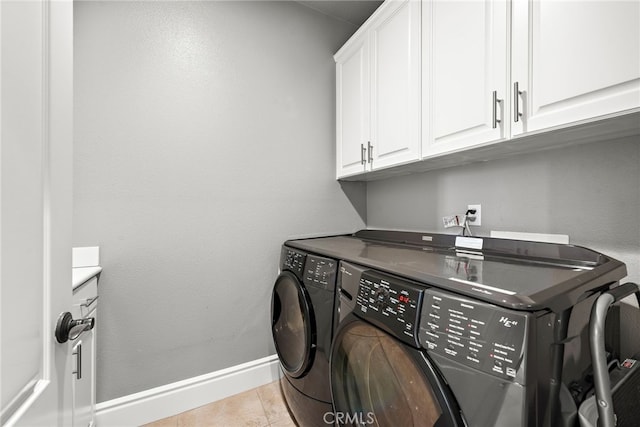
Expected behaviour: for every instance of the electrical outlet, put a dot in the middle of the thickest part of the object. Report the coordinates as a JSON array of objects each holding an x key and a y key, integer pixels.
[{"x": 475, "y": 219}]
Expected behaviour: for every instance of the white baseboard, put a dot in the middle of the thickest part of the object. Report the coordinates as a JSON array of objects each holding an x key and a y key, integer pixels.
[{"x": 171, "y": 399}]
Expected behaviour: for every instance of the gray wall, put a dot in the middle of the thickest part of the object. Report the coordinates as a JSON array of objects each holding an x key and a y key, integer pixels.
[
  {"x": 590, "y": 192},
  {"x": 204, "y": 137}
]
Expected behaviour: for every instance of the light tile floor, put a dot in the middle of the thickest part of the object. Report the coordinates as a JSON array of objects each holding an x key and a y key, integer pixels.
[{"x": 260, "y": 407}]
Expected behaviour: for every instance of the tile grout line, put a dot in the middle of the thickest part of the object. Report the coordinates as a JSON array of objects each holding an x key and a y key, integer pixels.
[
  {"x": 264, "y": 403},
  {"x": 264, "y": 408}
]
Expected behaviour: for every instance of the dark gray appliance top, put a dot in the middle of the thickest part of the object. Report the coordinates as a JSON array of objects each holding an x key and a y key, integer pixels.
[{"x": 516, "y": 274}]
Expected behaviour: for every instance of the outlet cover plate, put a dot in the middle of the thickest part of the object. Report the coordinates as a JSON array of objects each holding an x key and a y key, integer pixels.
[{"x": 478, "y": 215}]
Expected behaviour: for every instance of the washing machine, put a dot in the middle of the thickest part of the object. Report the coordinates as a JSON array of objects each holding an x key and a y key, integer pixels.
[
  {"x": 302, "y": 311},
  {"x": 416, "y": 356},
  {"x": 433, "y": 330}
]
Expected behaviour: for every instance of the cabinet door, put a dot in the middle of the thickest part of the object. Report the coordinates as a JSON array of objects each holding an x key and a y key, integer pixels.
[
  {"x": 84, "y": 353},
  {"x": 83, "y": 379},
  {"x": 467, "y": 63},
  {"x": 395, "y": 83},
  {"x": 352, "y": 106},
  {"x": 575, "y": 60}
]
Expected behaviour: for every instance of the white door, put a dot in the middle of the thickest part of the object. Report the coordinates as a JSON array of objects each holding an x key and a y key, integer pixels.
[
  {"x": 352, "y": 106},
  {"x": 35, "y": 210},
  {"x": 467, "y": 65},
  {"x": 395, "y": 84},
  {"x": 574, "y": 60}
]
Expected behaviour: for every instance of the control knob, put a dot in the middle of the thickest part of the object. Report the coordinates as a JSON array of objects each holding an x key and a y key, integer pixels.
[{"x": 380, "y": 297}]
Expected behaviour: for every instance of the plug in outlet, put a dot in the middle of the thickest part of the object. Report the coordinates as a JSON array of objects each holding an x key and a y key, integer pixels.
[{"x": 475, "y": 219}]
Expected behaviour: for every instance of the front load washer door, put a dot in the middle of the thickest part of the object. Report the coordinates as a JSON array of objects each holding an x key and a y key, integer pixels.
[
  {"x": 378, "y": 380},
  {"x": 292, "y": 325}
]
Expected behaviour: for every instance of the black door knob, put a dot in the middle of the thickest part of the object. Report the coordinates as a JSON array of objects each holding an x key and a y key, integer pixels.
[{"x": 69, "y": 329}]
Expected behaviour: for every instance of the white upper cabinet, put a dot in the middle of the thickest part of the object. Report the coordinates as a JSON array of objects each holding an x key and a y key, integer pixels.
[
  {"x": 466, "y": 79},
  {"x": 378, "y": 91},
  {"x": 465, "y": 74},
  {"x": 498, "y": 69},
  {"x": 352, "y": 108},
  {"x": 395, "y": 84},
  {"x": 574, "y": 61}
]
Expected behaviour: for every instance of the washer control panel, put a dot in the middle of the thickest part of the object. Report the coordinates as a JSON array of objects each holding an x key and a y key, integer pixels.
[
  {"x": 476, "y": 334},
  {"x": 391, "y": 303}
]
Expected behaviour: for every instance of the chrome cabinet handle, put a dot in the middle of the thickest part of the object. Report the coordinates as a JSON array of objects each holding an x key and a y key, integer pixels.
[
  {"x": 516, "y": 102},
  {"x": 89, "y": 301},
  {"x": 496, "y": 101},
  {"x": 362, "y": 151},
  {"x": 370, "y": 152},
  {"x": 78, "y": 354}
]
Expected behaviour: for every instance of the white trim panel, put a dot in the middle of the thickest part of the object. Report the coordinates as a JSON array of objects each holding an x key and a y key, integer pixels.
[
  {"x": 171, "y": 399},
  {"x": 86, "y": 257},
  {"x": 562, "y": 239}
]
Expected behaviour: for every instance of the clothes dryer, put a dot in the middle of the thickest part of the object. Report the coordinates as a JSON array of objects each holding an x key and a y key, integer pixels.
[{"x": 302, "y": 310}]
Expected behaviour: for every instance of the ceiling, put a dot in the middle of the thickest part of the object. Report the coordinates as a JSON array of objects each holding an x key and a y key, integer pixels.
[{"x": 352, "y": 11}]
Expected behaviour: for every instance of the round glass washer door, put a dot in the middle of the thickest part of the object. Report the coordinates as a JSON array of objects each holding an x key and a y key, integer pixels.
[
  {"x": 377, "y": 380},
  {"x": 292, "y": 325}
]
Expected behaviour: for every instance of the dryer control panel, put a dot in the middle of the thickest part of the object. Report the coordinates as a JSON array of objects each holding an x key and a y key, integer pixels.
[
  {"x": 474, "y": 333},
  {"x": 292, "y": 260},
  {"x": 320, "y": 272},
  {"x": 390, "y": 303}
]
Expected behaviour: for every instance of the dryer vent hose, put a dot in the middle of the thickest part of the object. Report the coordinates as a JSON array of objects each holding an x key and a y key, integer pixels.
[{"x": 604, "y": 400}]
